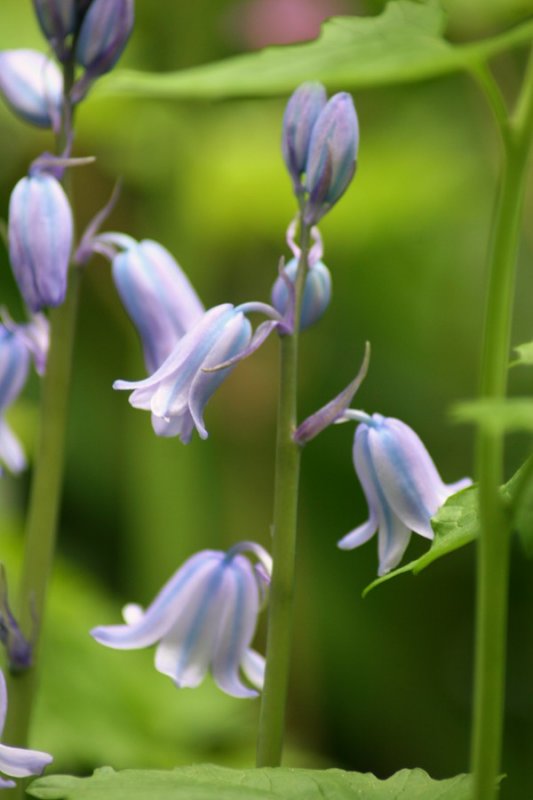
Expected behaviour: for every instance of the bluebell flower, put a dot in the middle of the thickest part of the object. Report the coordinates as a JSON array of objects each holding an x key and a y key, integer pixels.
[
  {"x": 17, "y": 762},
  {"x": 178, "y": 391},
  {"x": 203, "y": 619},
  {"x": 157, "y": 295},
  {"x": 40, "y": 234},
  {"x": 32, "y": 85},
  {"x": 402, "y": 486}
]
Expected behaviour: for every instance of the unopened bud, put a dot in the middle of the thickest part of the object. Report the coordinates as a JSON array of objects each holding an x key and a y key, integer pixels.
[
  {"x": 40, "y": 239},
  {"x": 32, "y": 85},
  {"x": 57, "y": 19},
  {"x": 104, "y": 33},
  {"x": 331, "y": 157},
  {"x": 302, "y": 111},
  {"x": 316, "y": 294}
]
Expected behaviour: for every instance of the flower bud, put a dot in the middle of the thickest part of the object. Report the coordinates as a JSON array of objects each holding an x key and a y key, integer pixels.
[
  {"x": 32, "y": 85},
  {"x": 104, "y": 33},
  {"x": 302, "y": 111},
  {"x": 158, "y": 297},
  {"x": 40, "y": 239},
  {"x": 331, "y": 157},
  {"x": 57, "y": 19},
  {"x": 316, "y": 294}
]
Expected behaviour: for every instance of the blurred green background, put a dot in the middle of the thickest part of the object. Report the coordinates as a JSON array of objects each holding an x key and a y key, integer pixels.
[{"x": 378, "y": 684}]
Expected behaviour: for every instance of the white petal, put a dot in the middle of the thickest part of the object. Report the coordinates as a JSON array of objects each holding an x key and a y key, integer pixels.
[
  {"x": 132, "y": 613},
  {"x": 253, "y": 666},
  {"x": 359, "y": 535},
  {"x": 181, "y": 426},
  {"x": 161, "y": 615},
  {"x": 11, "y": 452},
  {"x": 363, "y": 468},
  {"x": 393, "y": 538}
]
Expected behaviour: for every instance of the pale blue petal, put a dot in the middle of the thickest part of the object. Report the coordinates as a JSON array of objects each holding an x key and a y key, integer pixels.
[
  {"x": 3, "y": 701},
  {"x": 406, "y": 472},
  {"x": 237, "y": 628},
  {"x": 181, "y": 426},
  {"x": 363, "y": 467},
  {"x": 393, "y": 538},
  {"x": 188, "y": 582},
  {"x": 11, "y": 452},
  {"x": 20, "y": 763},
  {"x": 235, "y": 336}
]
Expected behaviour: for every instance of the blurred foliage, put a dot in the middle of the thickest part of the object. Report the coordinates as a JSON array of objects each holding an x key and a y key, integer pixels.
[{"x": 378, "y": 684}]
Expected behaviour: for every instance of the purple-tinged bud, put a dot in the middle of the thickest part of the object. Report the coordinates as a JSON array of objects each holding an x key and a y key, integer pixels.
[
  {"x": 57, "y": 19},
  {"x": 104, "y": 33},
  {"x": 40, "y": 240},
  {"x": 158, "y": 296},
  {"x": 332, "y": 156},
  {"x": 316, "y": 295},
  {"x": 32, "y": 85},
  {"x": 303, "y": 110}
]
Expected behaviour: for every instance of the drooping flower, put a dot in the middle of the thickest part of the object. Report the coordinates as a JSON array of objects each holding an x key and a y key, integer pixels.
[
  {"x": 40, "y": 239},
  {"x": 157, "y": 295},
  {"x": 32, "y": 85},
  {"x": 402, "y": 486},
  {"x": 178, "y": 391},
  {"x": 203, "y": 619},
  {"x": 17, "y": 762}
]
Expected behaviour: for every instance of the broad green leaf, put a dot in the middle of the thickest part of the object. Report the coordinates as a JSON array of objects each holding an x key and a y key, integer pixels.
[
  {"x": 524, "y": 355},
  {"x": 206, "y": 782},
  {"x": 404, "y": 43},
  {"x": 455, "y": 524},
  {"x": 498, "y": 416}
]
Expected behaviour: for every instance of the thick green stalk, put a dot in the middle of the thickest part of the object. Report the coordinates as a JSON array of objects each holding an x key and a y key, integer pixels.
[
  {"x": 46, "y": 488},
  {"x": 274, "y": 699},
  {"x": 493, "y": 545}
]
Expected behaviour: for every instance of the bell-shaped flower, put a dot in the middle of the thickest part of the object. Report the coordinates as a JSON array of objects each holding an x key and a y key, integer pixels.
[
  {"x": 58, "y": 19},
  {"x": 32, "y": 85},
  {"x": 332, "y": 156},
  {"x": 17, "y": 762},
  {"x": 103, "y": 35},
  {"x": 301, "y": 113},
  {"x": 316, "y": 295},
  {"x": 178, "y": 391},
  {"x": 203, "y": 619},
  {"x": 402, "y": 486},
  {"x": 40, "y": 234},
  {"x": 158, "y": 297}
]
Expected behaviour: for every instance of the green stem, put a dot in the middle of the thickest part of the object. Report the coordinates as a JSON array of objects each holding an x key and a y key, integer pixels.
[
  {"x": 46, "y": 487},
  {"x": 273, "y": 703},
  {"x": 493, "y": 546}
]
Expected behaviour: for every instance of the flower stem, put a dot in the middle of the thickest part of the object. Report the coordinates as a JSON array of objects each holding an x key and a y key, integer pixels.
[
  {"x": 494, "y": 542},
  {"x": 272, "y": 716},
  {"x": 46, "y": 486}
]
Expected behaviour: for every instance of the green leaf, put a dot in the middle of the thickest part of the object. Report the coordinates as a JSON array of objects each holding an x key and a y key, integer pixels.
[
  {"x": 455, "y": 524},
  {"x": 404, "y": 43},
  {"x": 207, "y": 782},
  {"x": 498, "y": 416},
  {"x": 525, "y": 355}
]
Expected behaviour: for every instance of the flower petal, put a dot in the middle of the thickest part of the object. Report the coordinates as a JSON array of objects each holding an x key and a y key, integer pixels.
[
  {"x": 11, "y": 452},
  {"x": 19, "y": 762},
  {"x": 253, "y": 666},
  {"x": 181, "y": 425},
  {"x": 409, "y": 478},
  {"x": 160, "y": 616},
  {"x": 237, "y": 627},
  {"x": 363, "y": 467}
]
